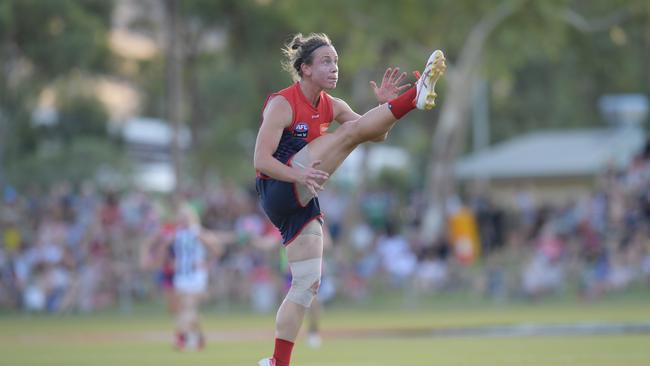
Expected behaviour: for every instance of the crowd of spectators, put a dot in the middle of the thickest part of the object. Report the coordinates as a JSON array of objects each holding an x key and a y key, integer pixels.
[{"x": 76, "y": 249}]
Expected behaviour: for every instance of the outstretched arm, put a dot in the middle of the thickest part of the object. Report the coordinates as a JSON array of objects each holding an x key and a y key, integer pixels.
[{"x": 216, "y": 241}]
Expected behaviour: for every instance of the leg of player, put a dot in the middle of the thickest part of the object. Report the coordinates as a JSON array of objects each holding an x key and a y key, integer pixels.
[
  {"x": 183, "y": 320},
  {"x": 332, "y": 149},
  {"x": 305, "y": 257},
  {"x": 194, "y": 339},
  {"x": 172, "y": 299}
]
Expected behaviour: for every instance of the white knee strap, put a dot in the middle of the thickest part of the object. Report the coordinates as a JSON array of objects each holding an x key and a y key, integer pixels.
[{"x": 305, "y": 281}]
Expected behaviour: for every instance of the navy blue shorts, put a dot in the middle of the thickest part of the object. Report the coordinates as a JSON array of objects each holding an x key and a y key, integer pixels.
[{"x": 280, "y": 203}]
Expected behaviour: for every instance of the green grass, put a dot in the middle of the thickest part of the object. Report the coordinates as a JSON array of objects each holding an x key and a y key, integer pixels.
[
  {"x": 578, "y": 351},
  {"x": 141, "y": 338}
]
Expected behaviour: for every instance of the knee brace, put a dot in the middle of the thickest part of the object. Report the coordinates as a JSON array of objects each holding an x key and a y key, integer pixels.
[{"x": 305, "y": 281}]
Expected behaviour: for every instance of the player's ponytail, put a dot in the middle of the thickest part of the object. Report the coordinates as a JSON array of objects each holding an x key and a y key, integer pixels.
[
  {"x": 300, "y": 51},
  {"x": 297, "y": 41}
]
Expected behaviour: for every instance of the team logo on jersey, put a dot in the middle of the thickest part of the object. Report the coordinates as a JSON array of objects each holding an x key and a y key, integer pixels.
[{"x": 301, "y": 130}]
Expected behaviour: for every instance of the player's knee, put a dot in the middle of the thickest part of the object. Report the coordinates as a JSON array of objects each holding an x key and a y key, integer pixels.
[
  {"x": 306, "y": 281},
  {"x": 303, "y": 294}
]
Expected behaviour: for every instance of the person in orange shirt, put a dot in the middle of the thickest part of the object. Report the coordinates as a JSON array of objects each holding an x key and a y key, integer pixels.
[{"x": 463, "y": 233}]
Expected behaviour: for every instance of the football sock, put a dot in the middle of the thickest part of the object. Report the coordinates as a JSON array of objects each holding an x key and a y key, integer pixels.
[
  {"x": 282, "y": 353},
  {"x": 403, "y": 104}
]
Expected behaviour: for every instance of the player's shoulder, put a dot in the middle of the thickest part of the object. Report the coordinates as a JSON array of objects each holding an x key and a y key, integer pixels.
[
  {"x": 338, "y": 104},
  {"x": 336, "y": 99},
  {"x": 278, "y": 109},
  {"x": 278, "y": 102},
  {"x": 284, "y": 97},
  {"x": 278, "y": 105},
  {"x": 281, "y": 99}
]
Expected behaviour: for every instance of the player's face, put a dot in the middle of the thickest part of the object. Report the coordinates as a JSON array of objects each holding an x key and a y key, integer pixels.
[{"x": 324, "y": 70}]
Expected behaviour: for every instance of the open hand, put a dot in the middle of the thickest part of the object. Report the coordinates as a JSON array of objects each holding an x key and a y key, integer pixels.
[
  {"x": 389, "y": 88},
  {"x": 310, "y": 177}
]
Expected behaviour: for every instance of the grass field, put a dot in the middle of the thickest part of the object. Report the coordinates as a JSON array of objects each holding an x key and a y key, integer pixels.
[{"x": 352, "y": 336}]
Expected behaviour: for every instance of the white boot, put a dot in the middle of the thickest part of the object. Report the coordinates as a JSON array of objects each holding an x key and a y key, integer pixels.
[
  {"x": 266, "y": 362},
  {"x": 433, "y": 70}
]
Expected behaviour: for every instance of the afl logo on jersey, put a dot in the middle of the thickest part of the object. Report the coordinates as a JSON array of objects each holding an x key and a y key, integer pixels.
[{"x": 301, "y": 130}]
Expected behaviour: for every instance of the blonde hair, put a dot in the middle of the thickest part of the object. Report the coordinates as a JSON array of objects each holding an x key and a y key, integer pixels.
[{"x": 300, "y": 50}]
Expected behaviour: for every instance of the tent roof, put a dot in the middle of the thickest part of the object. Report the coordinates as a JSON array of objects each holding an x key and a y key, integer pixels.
[{"x": 554, "y": 153}]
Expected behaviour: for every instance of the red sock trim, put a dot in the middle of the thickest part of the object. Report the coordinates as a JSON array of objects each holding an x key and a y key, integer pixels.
[
  {"x": 403, "y": 104},
  {"x": 282, "y": 353}
]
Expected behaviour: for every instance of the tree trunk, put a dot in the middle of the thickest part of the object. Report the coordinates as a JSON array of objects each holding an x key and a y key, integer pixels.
[
  {"x": 174, "y": 84},
  {"x": 197, "y": 114},
  {"x": 451, "y": 127}
]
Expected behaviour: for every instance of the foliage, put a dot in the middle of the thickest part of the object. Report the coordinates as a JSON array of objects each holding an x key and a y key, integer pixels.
[
  {"x": 56, "y": 36},
  {"x": 81, "y": 159},
  {"x": 543, "y": 70},
  {"x": 80, "y": 117},
  {"x": 560, "y": 86},
  {"x": 42, "y": 42}
]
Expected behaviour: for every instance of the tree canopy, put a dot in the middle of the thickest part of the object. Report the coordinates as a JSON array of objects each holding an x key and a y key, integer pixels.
[{"x": 546, "y": 63}]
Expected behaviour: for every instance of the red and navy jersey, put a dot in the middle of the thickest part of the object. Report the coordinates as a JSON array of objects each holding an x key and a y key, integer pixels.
[{"x": 308, "y": 122}]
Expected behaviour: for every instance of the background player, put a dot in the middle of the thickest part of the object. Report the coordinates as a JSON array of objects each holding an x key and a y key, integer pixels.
[{"x": 188, "y": 246}]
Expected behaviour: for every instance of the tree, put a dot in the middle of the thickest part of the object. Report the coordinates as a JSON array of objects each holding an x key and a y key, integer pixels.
[
  {"x": 174, "y": 81},
  {"x": 520, "y": 22},
  {"x": 447, "y": 136},
  {"x": 223, "y": 46},
  {"x": 41, "y": 42}
]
